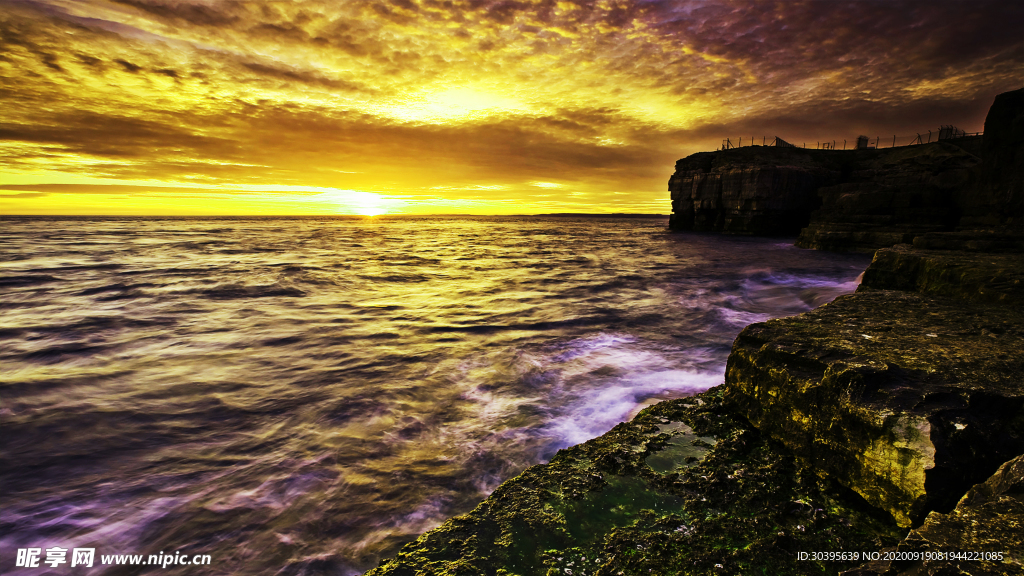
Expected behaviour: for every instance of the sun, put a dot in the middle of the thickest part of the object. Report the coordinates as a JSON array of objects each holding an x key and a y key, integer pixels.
[{"x": 355, "y": 202}]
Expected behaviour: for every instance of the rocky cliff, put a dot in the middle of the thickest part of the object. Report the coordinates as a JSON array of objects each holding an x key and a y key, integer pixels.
[
  {"x": 754, "y": 190},
  {"x": 860, "y": 200},
  {"x": 891, "y": 198},
  {"x": 997, "y": 198},
  {"x": 835, "y": 199}
]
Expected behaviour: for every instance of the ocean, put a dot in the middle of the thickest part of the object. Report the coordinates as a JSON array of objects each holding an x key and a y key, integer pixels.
[{"x": 306, "y": 395}]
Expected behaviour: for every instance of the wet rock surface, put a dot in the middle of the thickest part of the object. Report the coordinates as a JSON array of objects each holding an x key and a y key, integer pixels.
[
  {"x": 983, "y": 535},
  {"x": 905, "y": 398},
  {"x": 685, "y": 488}
]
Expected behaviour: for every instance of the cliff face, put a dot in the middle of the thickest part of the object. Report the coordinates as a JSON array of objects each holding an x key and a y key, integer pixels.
[
  {"x": 852, "y": 199},
  {"x": 860, "y": 200},
  {"x": 891, "y": 198},
  {"x": 906, "y": 399},
  {"x": 997, "y": 199},
  {"x": 756, "y": 190}
]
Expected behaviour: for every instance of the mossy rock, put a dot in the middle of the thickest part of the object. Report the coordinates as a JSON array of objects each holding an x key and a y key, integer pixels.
[{"x": 685, "y": 488}]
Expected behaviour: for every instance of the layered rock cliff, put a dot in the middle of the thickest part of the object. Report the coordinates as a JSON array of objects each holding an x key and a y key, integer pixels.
[
  {"x": 860, "y": 200},
  {"x": 996, "y": 201},
  {"x": 891, "y": 198},
  {"x": 755, "y": 190},
  {"x": 835, "y": 199}
]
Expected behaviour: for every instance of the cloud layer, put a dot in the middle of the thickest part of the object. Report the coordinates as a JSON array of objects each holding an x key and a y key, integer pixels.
[{"x": 463, "y": 105}]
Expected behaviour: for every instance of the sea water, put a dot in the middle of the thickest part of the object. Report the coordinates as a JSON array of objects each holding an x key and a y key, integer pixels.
[{"x": 305, "y": 395}]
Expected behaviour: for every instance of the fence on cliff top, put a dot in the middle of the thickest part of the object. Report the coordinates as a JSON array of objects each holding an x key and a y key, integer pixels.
[{"x": 946, "y": 132}]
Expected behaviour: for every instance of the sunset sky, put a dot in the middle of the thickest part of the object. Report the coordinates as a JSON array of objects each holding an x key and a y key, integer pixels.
[{"x": 459, "y": 106}]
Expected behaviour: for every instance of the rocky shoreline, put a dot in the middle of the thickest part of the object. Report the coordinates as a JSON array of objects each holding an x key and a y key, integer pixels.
[
  {"x": 836, "y": 430},
  {"x": 887, "y": 425}
]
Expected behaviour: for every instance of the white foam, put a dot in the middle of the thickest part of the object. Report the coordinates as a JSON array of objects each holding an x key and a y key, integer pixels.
[{"x": 596, "y": 411}]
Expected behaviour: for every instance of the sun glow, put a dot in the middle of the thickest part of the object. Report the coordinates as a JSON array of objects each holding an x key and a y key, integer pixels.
[
  {"x": 455, "y": 104},
  {"x": 356, "y": 202}
]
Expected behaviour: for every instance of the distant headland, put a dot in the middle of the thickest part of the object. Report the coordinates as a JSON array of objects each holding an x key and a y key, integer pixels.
[{"x": 860, "y": 199}]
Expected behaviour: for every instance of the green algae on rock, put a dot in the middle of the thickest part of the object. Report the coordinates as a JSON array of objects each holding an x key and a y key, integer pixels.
[
  {"x": 725, "y": 501},
  {"x": 904, "y": 398}
]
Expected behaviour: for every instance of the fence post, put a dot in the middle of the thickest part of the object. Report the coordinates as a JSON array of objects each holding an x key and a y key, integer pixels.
[{"x": 893, "y": 140}]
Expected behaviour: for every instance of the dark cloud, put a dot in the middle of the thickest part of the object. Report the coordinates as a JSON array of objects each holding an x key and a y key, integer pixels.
[
  {"x": 788, "y": 39},
  {"x": 128, "y": 65},
  {"x": 21, "y": 194},
  {"x": 288, "y": 31},
  {"x": 196, "y": 13},
  {"x": 110, "y": 136},
  {"x": 303, "y": 76},
  {"x": 89, "y": 60}
]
